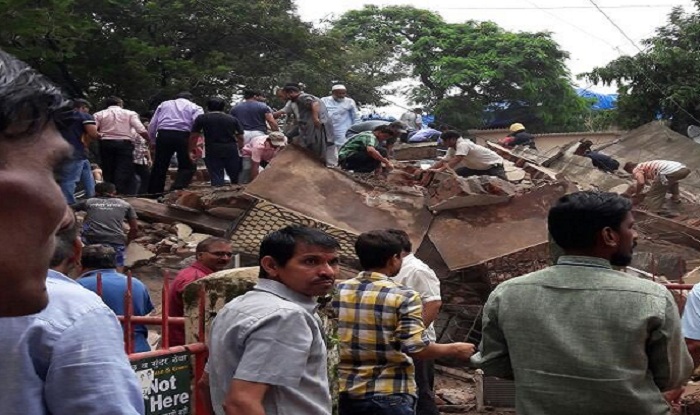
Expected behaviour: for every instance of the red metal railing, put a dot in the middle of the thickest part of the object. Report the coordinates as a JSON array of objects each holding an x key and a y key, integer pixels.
[{"x": 198, "y": 350}]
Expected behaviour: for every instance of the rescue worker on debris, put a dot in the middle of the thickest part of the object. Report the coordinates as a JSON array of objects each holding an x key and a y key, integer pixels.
[
  {"x": 363, "y": 153},
  {"x": 520, "y": 137},
  {"x": 662, "y": 176},
  {"x": 63, "y": 349},
  {"x": 598, "y": 159},
  {"x": 606, "y": 343},
  {"x": 467, "y": 158}
]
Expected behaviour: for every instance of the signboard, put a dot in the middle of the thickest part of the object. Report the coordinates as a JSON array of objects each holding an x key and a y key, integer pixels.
[{"x": 165, "y": 383}]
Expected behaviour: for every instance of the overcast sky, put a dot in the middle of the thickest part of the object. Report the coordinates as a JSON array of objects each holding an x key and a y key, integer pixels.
[{"x": 577, "y": 26}]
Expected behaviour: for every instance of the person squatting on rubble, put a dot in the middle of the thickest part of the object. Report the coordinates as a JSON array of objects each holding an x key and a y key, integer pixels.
[
  {"x": 74, "y": 126},
  {"x": 47, "y": 320},
  {"x": 223, "y": 139},
  {"x": 467, "y": 158},
  {"x": 418, "y": 276},
  {"x": 662, "y": 176},
  {"x": 115, "y": 126},
  {"x": 520, "y": 137},
  {"x": 102, "y": 260},
  {"x": 599, "y": 160},
  {"x": 104, "y": 217},
  {"x": 381, "y": 329},
  {"x": 606, "y": 342},
  {"x": 267, "y": 350},
  {"x": 211, "y": 255},
  {"x": 343, "y": 113},
  {"x": 170, "y": 129},
  {"x": 363, "y": 153},
  {"x": 262, "y": 149},
  {"x": 315, "y": 128}
]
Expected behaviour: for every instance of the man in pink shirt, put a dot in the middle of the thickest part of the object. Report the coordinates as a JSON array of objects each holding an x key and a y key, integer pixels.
[
  {"x": 115, "y": 125},
  {"x": 213, "y": 254},
  {"x": 263, "y": 149}
]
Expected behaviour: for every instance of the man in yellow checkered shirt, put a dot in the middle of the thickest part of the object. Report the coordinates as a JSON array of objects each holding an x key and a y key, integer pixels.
[{"x": 380, "y": 327}]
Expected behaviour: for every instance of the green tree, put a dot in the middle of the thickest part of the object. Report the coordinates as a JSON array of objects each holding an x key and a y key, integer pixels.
[
  {"x": 469, "y": 68},
  {"x": 661, "y": 81}
]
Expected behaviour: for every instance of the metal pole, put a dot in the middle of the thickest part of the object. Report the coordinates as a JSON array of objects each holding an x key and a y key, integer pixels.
[
  {"x": 128, "y": 313},
  {"x": 165, "y": 312}
]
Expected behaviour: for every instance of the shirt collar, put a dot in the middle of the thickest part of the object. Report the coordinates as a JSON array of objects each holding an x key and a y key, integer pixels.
[
  {"x": 372, "y": 276},
  {"x": 281, "y": 290},
  {"x": 584, "y": 261},
  {"x": 201, "y": 267}
]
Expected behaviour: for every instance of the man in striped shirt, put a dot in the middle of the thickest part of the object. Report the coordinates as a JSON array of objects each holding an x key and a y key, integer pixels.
[
  {"x": 380, "y": 328},
  {"x": 662, "y": 176}
]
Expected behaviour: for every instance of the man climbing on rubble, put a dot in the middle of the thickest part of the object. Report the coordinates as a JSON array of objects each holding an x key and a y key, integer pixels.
[
  {"x": 48, "y": 321},
  {"x": 212, "y": 255},
  {"x": 363, "y": 153},
  {"x": 103, "y": 224},
  {"x": 343, "y": 113},
  {"x": 102, "y": 260},
  {"x": 580, "y": 338},
  {"x": 662, "y": 176},
  {"x": 520, "y": 137},
  {"x": 267, "y": 350},
  {"x": 381, "y": 329},
  {"x": 315, "y": 127},
  {"x": 417, "y": 275},
  {"x": 262, "y": 149},
  {"x": 467, "y": 158}
]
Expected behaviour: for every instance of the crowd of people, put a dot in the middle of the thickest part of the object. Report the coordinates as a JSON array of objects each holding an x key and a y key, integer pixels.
[{"x": 578, "y": 337}]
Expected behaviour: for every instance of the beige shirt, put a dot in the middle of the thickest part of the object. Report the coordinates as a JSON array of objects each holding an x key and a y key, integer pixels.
[
  {"x": 476, "y": 157},
  {"x": 116, "y": 123}
]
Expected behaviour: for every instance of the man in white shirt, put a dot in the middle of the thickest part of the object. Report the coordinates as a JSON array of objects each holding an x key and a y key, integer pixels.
[
  {"x": 418, "y": 276},
  {"x": 413, "y": 118},
  {"x": 343, "y": 113},
  {"x": 467, "y": 158}
]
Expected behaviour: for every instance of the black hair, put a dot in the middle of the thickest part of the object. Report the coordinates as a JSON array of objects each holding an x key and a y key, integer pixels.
[
  {"x": 79, "y": 103},
  {"x": 384, "y": 129},
  {"x": 281, "y": 244},
  {"x": 98, "y": 257},
  {"x": 186, "y": 95},
  {"x": 105, "y": 189},
  {"x": 111, "y": 101},
  {"x": 405, "y": 239},
  {"x": 207, "y": 243},
  {"x": 291, "y": 87},
  {"x": 28, "y": 100},
  {"x": 216, "y": 104},
  {"x": 375, "y": 248},
  {"x": 449, "y": 134},
  {"x": 432, "y": 125},
  {"x": 250, "y": 93},
  {"x": 65, "y": 240},
  {"x": 576, "y": 219}
]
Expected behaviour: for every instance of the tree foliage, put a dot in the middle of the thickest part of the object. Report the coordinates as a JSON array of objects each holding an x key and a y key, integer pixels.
[
  {"x": 468, "y": 69},
  {"x": 662, "y": 81}
]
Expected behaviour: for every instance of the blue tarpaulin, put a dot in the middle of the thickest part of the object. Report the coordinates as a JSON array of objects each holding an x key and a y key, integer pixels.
[{"x": 602, "y": 101}]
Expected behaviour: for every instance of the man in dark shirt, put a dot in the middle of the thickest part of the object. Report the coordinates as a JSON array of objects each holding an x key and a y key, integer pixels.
[
  {"x": 223, "y": 138},
  {"x": 253, "y": 115},
  {"x": 73, "y": 125}
]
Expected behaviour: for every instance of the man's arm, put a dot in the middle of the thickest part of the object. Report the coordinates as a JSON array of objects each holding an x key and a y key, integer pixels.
[
  {"x": 205, "y": 393},
  {"x": 669, "y": 360},
  {"x": 133, "y": 230},
  {"x": 271, "y": 122},
  {"x": 91, "y": 131},
  {"x": 245, "y": 398},
  {"x": 494, "y": 359},
  {"x": 315, "y": 111},
  {"x": 378, "y": 156},
  {"x": 99, "y": 382},
  {"x": 153, "y": 125},
  {"x": 431, "y": 310},
  {"x": 451, "y": 163}
]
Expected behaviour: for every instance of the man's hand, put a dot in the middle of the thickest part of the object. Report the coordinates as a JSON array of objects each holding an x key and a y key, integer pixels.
[
  {"x": 389, "y": 165},
  {"x": 193, "y": 156},
  {"x": 463, "y": 350},
  {"x": 673, "y": 397},
  {"x": 317, "y": 123}
]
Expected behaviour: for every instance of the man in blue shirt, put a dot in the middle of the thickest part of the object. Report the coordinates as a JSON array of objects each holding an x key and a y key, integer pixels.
[
  {"x": 73, "y": 125},
  {"x": 101, "y": 259},
  {"x": 63, "y": 351}
]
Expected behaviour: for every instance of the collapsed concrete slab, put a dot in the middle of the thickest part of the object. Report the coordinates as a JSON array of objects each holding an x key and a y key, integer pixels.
[
  {"x": 299, "y": 183},
  {"x": 415, "y": 151}
]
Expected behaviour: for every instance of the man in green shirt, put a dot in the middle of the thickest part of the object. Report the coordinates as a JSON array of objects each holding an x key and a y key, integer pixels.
[
  {"x": 580, "y": 338},
  {"x": 363, "y": 154}
]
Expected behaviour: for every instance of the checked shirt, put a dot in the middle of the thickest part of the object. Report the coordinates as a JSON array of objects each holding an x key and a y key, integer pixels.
[{"x": 379, "y": 322}]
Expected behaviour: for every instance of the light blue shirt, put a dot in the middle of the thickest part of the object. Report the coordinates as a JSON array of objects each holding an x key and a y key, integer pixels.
[
  {"x": 690, "y": 322},
  {"x": 67, "y": 359},
  {"x": 343, "y": 114}
]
